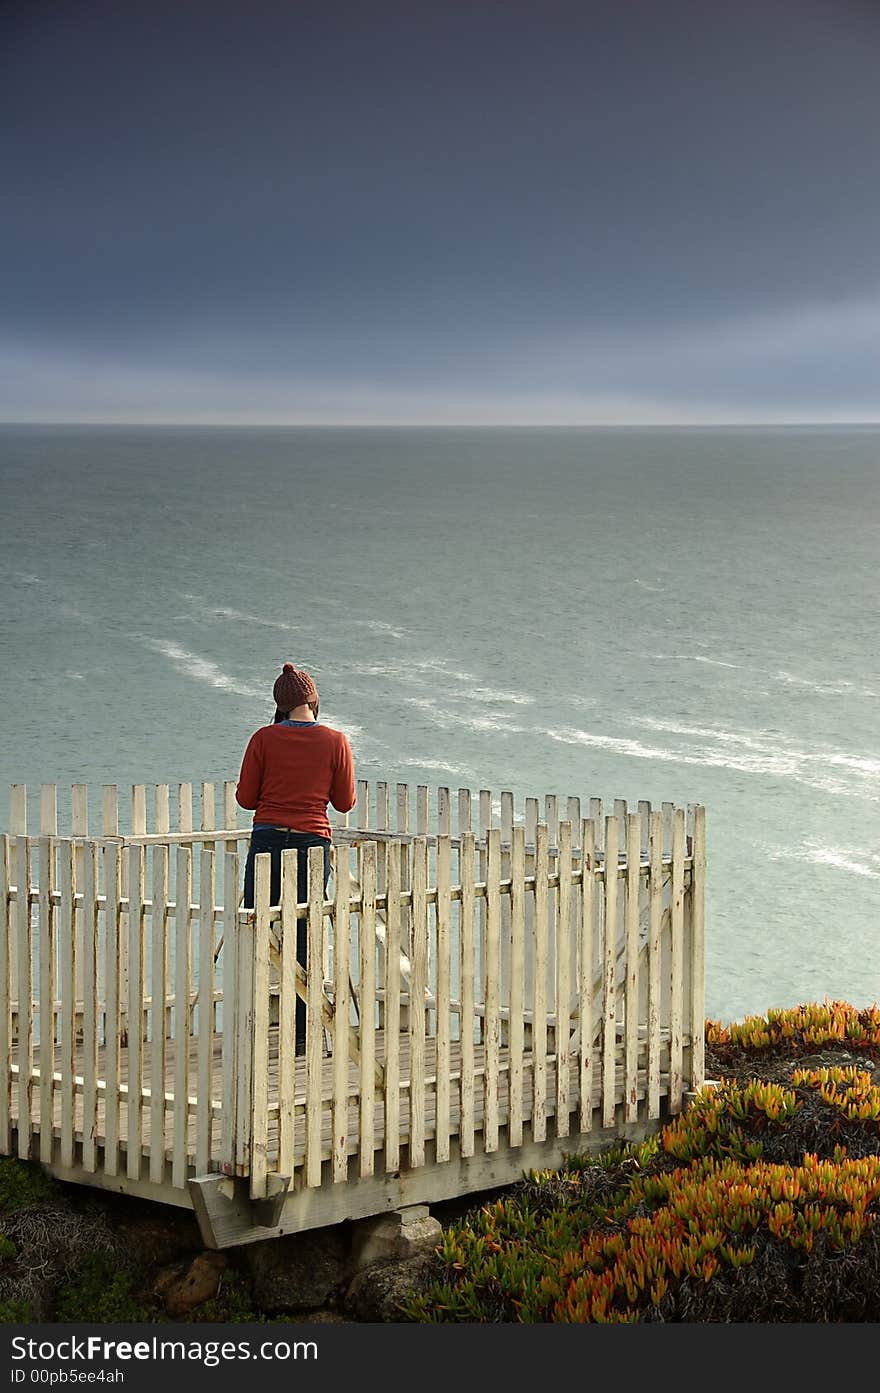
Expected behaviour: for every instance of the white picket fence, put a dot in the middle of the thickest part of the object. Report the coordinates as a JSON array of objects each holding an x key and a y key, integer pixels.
[{"x": 484, "y": 993}]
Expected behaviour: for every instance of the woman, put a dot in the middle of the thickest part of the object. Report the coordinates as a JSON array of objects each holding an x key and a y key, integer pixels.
[{"x": 291, "y": 770}]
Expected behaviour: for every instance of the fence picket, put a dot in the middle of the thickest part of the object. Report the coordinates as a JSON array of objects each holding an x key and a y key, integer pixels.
[
  {"x": 609, "y": 1000},
  {"x": 25, "y": 997},
  {"x": 585, "y": 977},
  {"x": 314, "y": 1024},
  {"x": 367, "y": 976},
  {"x": 47, "y": 952},
  {"x": 392, "y": 1008},
  {"x": 631, "y": 991},
  {"x": 341, "y": 997},
  {"x": 418, "y": 982},
  {"x": 205, "y": 1046},
  {"x": 698, "y": 950},
  {"x": 89, "y": 940},
  {"x": 231, "y": 1064},
  {"x": 135, "y": 1009},
  {"x": 260, "y": 1037},
  {"x": 444, "y": 974},
  {"x": 493, "y": 976},
  {"x": 563, "y": 982},
  {"x": 5, "y": 1001},
  {"x": 287, "y": 1015},
  {"x": 66, "y": 964},
  {"x": 182, "y": 1012},
  {"x": 539, "y": 1031},
  {"x": 517, "y": 976},
  {"x": 158, "y": 994},
  {"x": 675, "y": 1031},
  {"x": 655, "y": 919}
]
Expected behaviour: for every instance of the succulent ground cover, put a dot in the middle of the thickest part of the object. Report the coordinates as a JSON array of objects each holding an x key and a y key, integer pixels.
[{"x": 760, "y": 1203}]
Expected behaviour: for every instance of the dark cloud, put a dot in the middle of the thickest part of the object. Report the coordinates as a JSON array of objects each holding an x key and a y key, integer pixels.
[{"x": 417, "y": 195}]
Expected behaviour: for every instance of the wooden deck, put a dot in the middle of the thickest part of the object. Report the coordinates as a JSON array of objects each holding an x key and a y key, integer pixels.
[{"x": 571, "y": 1128}]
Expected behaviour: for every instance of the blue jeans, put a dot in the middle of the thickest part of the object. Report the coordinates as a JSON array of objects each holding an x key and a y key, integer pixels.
[{"x": 275, "y": 840}]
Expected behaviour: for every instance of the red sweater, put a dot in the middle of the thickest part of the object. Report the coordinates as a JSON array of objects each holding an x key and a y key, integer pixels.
[{"x": 290, "y": 773}]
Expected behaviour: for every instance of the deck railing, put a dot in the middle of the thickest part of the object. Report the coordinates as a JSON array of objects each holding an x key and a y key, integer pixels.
[{"x": 468, "y": 988}]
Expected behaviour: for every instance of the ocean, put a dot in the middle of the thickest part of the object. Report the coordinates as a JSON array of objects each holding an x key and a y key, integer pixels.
[{"x": 682, "y": 615}]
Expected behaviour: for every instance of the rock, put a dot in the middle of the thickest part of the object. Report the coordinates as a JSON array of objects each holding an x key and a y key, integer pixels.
[
  {"x": 398, "y": 1236},
  {"x": 299, "y": 1272},
  {"x": 198, "y": 1284},
  {"x": 377, "y": 1292}
]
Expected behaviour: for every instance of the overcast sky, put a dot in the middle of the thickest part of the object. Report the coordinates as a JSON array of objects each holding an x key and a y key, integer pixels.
[{"x": 550, "y": 212}]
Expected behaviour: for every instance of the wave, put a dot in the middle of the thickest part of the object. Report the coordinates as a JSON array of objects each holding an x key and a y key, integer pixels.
[
  {"x": 439, "y": 764},
  {"x": 414, "y": 672},
  {"x": 713, "y": 662},
  {"x": 490, "y": 694},
  {"x": 499, "y": 722},
  {"x": 766, "y": 741},
  {"x": 781, "y": 764},
  {"x": 836, "y": 687},
  {"x": 201, "y": 669},
  {"x": 839, "y": 858}
]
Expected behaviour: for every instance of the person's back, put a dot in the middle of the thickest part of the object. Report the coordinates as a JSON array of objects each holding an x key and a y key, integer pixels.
[{"x": 290, "y": 771}]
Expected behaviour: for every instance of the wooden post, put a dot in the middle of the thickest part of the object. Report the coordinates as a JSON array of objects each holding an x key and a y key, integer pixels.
[
  {"x": 244, "y": 1024},
  {"x": 675, "y": 1028},
  {"x": 259, "y": 1040},
  {"x": 25, "y": 997},
  {"x": 205, "y": 1047},
  {"x": 6, "y": 978},
  {"x": 444, "y": 977},
  {"x": 135, "y": 1009},
  {"x": 698, "y": 950},
  {"x": 539, "y": 1033},
  {"x": 392, "y": 1010},
  {"x": 287, "y": 1014},
  {"x": 517, "y": 978},
  {"x": 112, "y": 1008},
  {"x": 655, "y": 919},
  {"x": 493, "y": 985},
  {"x": 418, "y": 982},
  {"x": 47, "y": 951},
  {"x": 182, "y": 1015},
  {"x": 466, "y": 975},
  {"x": 563, "y": 986},
  {"x": 89, "y": 924},
  {"x": 231, "y": 1001},
  {"x": 79, "y": 827},
  {"x": 342, "y": 1002},
  {"x": 531, "y": 824},
  {"x": 383, "y": 824},
  {"x": 158, "y": 994},
  {"x": 585, "y": 980},
  {"x": 66, "y": 965},
  {"x": 609, "y": 999},
  {"x": 367, "y": 979},
  {"x": 314, "y": 1025},
  {"x": 631, "y": 990},
  {"x": 405, "y": 886}
]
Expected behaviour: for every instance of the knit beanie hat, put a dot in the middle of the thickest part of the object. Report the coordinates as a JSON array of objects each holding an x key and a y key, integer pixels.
[{"x": 293, "y": 688}]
